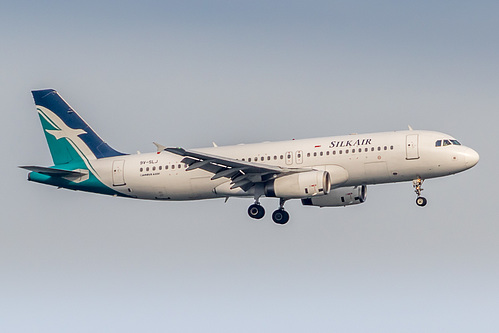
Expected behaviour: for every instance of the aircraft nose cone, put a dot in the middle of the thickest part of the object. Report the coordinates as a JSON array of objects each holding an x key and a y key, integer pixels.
[{"x": 471, "y": 158}]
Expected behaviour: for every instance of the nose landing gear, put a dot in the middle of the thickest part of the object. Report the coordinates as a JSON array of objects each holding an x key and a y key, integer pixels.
[
  {"x": 421, "y": 201},
  {"x": 417, "y": 184}
]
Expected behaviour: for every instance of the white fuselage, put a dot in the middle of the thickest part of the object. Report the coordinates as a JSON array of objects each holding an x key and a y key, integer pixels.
[{"x": 351, "y": 160}]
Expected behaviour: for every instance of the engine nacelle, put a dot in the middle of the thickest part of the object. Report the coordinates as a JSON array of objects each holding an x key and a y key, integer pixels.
[
  {"x": 343, "y": 196},
  {"x": 299, "y": 185}
]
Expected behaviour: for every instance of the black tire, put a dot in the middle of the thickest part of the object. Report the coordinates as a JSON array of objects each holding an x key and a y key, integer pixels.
[
  {"x": 256, "y": 211},
  {"x": 280, "y": 216},
  {"x": 421, "y": 201}
]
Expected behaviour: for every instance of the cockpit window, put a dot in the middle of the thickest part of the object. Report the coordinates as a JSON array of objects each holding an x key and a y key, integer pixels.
[{"x": 447, "y": 142}]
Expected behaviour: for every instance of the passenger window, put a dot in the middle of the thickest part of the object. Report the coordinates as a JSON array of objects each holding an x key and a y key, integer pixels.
[
  {"x": 249, "y": 159},
  {"x": 366, "y": 150},
  {"x": 391, "y": 147},
  {"x": 385, "y": 148},
  {"x": 315, "y": 154},
  {"x": 275, "y": 157},
  {"x": 268, "y": 158},
  {"x": 353, "y": 150},
  {"x": 262, "y": 158},
  {"x": 281, "y": 157},
  {"x": 179, "y": 166},
  {"x": 341, "y": 152},
  {"x": 322, "y": 153},
  {"x": 147, "y": 169},
  {"x": 372, "y": 148},
  {"x": 154, "y": 168},
  {"x": 166, "y": 167},
  {"x": 141, "y": 169},
  {"x": 379, "y": 148},
  {"x": 173, "y": 166},
  {"x": 308, "y": 154},
  {"x": 438, "y": 143},
  {"x": 334, "y": 152},
  {"x": 160, "y": 167},
  {"x": 327, "y": 153}
]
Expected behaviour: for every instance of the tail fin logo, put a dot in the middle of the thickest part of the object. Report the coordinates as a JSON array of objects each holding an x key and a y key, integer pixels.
[
  {"x": 61, "y": 130},
  {"x": 62, "y": 134}
]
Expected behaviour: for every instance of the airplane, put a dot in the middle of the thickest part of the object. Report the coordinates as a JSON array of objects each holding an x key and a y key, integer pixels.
[{"x": 323, "y": 172}]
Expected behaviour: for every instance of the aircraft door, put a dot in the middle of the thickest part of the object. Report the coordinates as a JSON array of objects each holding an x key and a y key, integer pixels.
[
  {"x": 412, "y": 149},
  {"x": 119, "y": 173},
  {"x": 289, "y": 157}
]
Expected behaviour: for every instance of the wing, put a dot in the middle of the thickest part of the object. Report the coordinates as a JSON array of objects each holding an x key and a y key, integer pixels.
[{"x": 243, "y": 174}]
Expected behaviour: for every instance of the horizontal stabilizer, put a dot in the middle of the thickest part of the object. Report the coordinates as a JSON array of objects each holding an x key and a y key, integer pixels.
[{"x": 53, "y": 171}]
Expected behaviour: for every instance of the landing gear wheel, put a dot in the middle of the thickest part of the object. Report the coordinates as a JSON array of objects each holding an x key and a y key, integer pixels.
[
  {"x": 280, "y": 216},
  {"x": 256, "y": 211},
  {"x": 421, "y": 201}
]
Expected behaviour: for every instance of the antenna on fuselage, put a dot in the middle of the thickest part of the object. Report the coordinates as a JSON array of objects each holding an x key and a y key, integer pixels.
[{"x": 410, "y": 128}]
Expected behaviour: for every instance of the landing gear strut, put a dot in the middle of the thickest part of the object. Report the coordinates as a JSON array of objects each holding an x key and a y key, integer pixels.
[
  {"x": 417, "y": 184},
  {"x": 280, "y": 216},
  {"x": 256, "y": 210}
]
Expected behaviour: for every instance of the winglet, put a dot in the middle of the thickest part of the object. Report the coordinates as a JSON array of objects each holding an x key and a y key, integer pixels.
[{"x": 160, "y": 147}]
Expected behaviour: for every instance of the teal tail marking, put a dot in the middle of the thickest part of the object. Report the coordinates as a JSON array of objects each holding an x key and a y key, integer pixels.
[{"x": 73, "y": 146}]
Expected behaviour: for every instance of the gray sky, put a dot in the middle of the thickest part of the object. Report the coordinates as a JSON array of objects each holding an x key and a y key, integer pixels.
[{"x": 189, "y": 73}]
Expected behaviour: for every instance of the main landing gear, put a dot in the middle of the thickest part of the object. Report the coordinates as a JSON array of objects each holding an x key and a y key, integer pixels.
[
  {"x": 417, "y": 184},
  {"x": 256, "y": 211},
  {"x": 279, "y": 216}
]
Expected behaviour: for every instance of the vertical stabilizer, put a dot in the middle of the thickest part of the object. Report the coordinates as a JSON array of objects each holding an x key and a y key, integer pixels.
[{"x": 69, "y": 137}]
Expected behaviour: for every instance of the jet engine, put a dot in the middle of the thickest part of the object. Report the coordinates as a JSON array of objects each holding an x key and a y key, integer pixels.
[
  {"x": 343, "y": 196},
  {"x": 299, "y": 185}
]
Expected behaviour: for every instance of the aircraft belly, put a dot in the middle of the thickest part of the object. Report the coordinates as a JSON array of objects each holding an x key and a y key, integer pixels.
[{"x": 173, "y": 187}]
